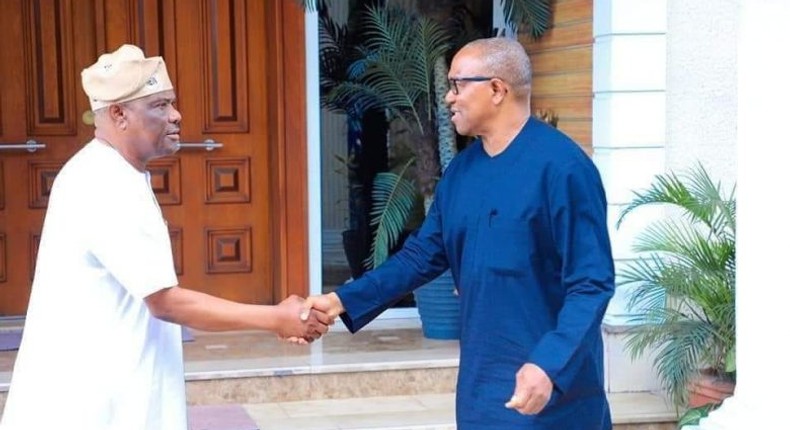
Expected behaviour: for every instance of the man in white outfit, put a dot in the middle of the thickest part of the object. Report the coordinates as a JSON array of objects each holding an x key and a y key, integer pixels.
[{"x": 102, "y": 342}]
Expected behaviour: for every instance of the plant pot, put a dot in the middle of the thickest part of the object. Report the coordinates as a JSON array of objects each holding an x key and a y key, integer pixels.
[
  {"x": 439, "y": 308},
  {"x": 708, "y": 388},
  {"x": 355, "y": 248}
]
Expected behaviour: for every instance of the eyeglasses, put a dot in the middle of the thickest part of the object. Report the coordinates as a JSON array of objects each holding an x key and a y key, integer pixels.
[{"x": 454, "y": 81}]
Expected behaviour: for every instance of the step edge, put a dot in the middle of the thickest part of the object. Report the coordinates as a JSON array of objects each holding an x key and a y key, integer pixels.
[{"x": 203, "y": 375}]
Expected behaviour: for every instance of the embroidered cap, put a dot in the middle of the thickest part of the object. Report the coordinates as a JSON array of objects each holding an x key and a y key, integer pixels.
[{"x": 123, "y": 75}]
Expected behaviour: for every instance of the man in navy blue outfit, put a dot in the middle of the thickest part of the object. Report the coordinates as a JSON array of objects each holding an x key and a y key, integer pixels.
[{"x": 520, "y": 220}]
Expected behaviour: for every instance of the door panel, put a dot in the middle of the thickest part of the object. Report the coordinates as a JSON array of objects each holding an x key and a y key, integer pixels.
[
  {"x": 40, "y": 97},
  {"x": 222, "y": 206}
]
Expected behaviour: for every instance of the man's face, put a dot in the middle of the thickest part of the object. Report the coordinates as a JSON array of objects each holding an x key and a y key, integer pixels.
[
  {"x": 471, "y": 106},
  {"x": 154, "y": 124}
]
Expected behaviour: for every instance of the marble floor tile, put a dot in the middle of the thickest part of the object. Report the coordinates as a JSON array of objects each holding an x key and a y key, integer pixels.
[
  {"x": 413, "y": 419},
  {"x": 353, "y": 407},
  {"x": 261, "y": 412},
  {"x": 297, "y": 423},
  {"x": 437, "y": 401}
]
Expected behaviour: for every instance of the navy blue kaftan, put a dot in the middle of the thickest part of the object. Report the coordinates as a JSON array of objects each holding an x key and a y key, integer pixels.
[{"x": 525, "y": 235}]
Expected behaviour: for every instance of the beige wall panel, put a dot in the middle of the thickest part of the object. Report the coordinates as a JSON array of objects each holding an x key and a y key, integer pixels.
[
  {"x": 562, "y": 60},
  {"x": 572, "y": 11},
  {"x": 560, "y": 36},
  {"x": 572, "y": 83},
  {"x": 567, "y": 107}
]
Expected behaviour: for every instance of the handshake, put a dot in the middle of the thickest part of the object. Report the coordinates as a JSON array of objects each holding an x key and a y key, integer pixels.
[{"x": 305, "y": 320}]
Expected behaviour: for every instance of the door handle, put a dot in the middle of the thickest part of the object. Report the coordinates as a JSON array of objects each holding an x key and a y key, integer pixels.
[
  {"x": 208, "y": 145},
  {"x": 31, "y": 145}
]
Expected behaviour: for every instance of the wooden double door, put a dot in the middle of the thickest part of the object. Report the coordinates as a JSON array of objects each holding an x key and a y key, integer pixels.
[{"x": 236, "y": 213}]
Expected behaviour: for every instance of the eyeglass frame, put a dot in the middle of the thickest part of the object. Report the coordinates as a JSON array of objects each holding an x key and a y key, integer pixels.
[{"x": 454, "y": 81}]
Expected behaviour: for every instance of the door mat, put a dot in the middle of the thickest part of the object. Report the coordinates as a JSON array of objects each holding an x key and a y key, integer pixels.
[
  {"x": 220, "y": 417},
  {"x": 9, "y": 340}
]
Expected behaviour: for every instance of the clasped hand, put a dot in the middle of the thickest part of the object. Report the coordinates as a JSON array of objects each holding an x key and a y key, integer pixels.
[{"x": 315, "y": 315}]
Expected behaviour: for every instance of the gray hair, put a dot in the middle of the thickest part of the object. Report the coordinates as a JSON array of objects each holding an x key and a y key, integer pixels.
[{"x": 505, "y": 58}]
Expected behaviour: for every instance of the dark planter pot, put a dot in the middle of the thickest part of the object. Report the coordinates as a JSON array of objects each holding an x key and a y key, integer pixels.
[
  {"x": 439, "y": 308},
  {"x": 356, "y": 250}
]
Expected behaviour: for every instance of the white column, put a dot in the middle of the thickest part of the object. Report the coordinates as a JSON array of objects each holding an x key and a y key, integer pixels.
[
  {"x": 763, "y": 231},
  {"x": 628, "y": 139}
]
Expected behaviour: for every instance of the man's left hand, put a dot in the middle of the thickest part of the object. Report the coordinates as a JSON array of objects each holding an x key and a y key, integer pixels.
[{"x": 533, "y": 390}]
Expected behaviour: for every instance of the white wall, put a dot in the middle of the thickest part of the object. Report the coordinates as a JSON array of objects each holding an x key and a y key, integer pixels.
[
  {"x": 762, "y": 93},
  {"x": 702, "y": 86}
]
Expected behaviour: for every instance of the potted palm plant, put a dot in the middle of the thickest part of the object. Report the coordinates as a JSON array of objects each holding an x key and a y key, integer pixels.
[{"x": 684, "y": 288}]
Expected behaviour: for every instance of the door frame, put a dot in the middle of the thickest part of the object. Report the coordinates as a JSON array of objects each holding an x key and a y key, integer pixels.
[{"x": 288, "y": 137}]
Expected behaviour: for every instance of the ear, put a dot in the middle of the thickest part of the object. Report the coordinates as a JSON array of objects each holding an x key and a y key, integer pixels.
[
  {"x": 500, "y": 89},
  {"x": 116, "y": 112},
  {"x": 117, "y": 115}
]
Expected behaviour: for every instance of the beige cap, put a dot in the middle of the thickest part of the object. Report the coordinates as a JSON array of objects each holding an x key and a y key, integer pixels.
[{"x": 124, "y": 75}]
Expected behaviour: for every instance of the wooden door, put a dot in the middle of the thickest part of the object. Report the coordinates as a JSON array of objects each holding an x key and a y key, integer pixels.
[{"x": 229, "y": 209}]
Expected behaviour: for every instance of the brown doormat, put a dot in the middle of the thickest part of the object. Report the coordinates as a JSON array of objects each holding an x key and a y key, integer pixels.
[{"x": 9, "y": 340}]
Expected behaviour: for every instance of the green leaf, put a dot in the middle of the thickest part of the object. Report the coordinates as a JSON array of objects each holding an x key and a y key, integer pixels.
[
  {"x": 534, "y": 15},
  {"x": 694, "y": 415},
  {"x": 393, "y": 198},
  {"x": 730, "y": 361}
]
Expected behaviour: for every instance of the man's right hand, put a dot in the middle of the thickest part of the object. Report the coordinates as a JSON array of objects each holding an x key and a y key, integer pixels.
[
  {"x": 329, "y": 304},
  {"x": 307, "y": 326}
]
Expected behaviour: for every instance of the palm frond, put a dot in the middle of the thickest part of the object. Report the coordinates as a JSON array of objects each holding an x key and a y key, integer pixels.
[
  {"x": 335, "y": 54},
  {"x": 666, "y": 189},
  {"x": 695, "y": 194},
  {"x": 388, "y": 28},
  {"x": 393, "y": 198},
  {"x": 534, "y": 15},
  {"x": 434, "y": 42},
  {"x": 689, "y": 245},
  {"x": 397, "y": 64},
  {"x": 354, "y": 94},
  {"x": 679, "y": 345},
  {"x": 398, "y": 95},
  {"x": 716, "y": 209}
]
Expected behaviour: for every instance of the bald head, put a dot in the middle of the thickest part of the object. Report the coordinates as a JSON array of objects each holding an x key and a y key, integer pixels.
[{"x": 504, "y": 58}]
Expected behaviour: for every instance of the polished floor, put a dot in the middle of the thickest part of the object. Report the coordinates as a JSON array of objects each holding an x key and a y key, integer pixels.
[{"x": 388, "y": 376}]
